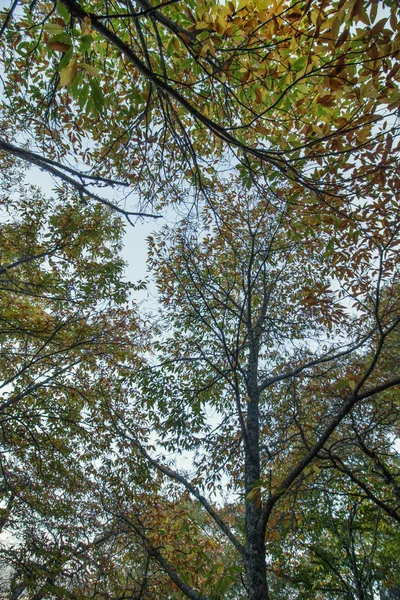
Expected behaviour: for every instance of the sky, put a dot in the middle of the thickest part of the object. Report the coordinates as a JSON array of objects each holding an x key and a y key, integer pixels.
[
  {"x": 135, "y": 250},
  {"x": 135, "y": 245}
]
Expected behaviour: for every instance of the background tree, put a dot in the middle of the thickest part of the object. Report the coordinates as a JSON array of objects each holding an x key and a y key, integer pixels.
[
  {"x": 262, "y": 341},
  {"x": 336, "y": 543},
  {"x": 76, "y": 497},
  {"x": 68, "y": 330}
]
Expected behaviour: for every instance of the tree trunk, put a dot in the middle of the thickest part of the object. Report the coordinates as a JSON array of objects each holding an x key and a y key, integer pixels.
[
  {"x": 255, "y": 563},
  {"x": 256, "y": 570}
]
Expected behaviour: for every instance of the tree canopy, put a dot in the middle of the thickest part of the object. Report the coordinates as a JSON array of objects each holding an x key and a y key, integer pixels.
[
  {"x": 305, "y": 92},
  {"x": 243, "y": 442}
]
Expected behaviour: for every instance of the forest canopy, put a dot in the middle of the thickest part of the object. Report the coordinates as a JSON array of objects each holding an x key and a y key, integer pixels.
[{"x": 241, "y": 441}]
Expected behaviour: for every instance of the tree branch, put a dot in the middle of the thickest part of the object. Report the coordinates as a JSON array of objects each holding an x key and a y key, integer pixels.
[
  {"x": 270, "y": 157},
  {"x": 178, "y": 477},
  {"x": 57, "y": 170},
  {"x": 335, "y": 422},
  {"x": 168, "y": 568}
]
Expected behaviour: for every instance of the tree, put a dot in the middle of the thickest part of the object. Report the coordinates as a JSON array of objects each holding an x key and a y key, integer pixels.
[
  {"x": 253, "y": 331},
  {"x": 276, "y": 126},
  {"x": 259, "y": 336},
  {"x": 334, "y": 543},
  {"x": 67, "y": 330},
  {"x": 74, "y": 495},
  {"x": 303, "y": 94}
]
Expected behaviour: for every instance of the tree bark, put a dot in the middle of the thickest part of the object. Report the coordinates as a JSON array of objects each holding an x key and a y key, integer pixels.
[{"x": 254, "y": 557}]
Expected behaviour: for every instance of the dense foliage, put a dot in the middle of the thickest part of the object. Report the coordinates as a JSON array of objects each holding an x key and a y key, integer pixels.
[{"x": 243, "y": 443}]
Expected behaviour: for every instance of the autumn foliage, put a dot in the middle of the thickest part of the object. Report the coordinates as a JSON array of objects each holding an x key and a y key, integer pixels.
[{"x": 243, "y": 441}]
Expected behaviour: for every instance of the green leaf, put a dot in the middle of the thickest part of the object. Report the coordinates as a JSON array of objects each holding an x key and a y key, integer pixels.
[
  {"x": 66, "y": 59},
  {"x": 97, "y": 95},
  {"x": 83, "y": 95},
  {"x": 63, "y": 11},
  {"x": 330, "y": 246},
  {"x": 24, "y": 48},
  {"x": 91, "y": 70},
  {"x": 53, "y": 28},
  {"x": 86, "y": 42},
  {"x": 75, "y": 84},
  {"x": 300, "y": 63}
]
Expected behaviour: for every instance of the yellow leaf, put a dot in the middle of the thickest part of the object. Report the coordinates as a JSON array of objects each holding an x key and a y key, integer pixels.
[
  {"x": 53, "y": 28},
  {"x": 243, "y": 4},
  {"x": 220, "y": 24},
  {"x": 211, "y": 48},
  {"x": 317, "y": 129},
  {"x": 260, "y": 94},
  {"x": 263, "y": 4},
  {"x": 68, "y": 73},
  {"x": 86, "y": 26},
  {"x": 91, "y": 70}
]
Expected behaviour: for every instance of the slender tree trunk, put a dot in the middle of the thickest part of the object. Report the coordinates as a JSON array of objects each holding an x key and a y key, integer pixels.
[
  {"x": 256, "y": 570},
  {"x": 359, "y": 586},
  {"x": 255, "y": 563}
]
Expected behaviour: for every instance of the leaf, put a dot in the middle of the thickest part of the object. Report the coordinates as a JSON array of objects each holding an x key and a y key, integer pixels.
[
  {"x": 328, "y": 100},
  {"x": 300, "y": 63},
  {"x": 66, "y": 58},
  {"x": 83, "y": 95},
  {"x": 76, "y": 83},
  {"x": 91, "y": 70},
  {"x": 86, "y": 42},
  {"x": 378, "y": 28},
  {"x": 58, "y": 46},
  {"x": 97, "y": 95},
  {"x": 352, "y": 384},
  {"x": 253, "y": 494},
  {"x": 342, "y": 38},
  {"x": 334, "y": 29},
  {"x": 68, "y": 73},
  {"x": 86, "y": 27},
  {"x": 53, "y": 28}
]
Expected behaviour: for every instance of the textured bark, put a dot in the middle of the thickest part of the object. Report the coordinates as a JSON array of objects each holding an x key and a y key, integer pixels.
[
  {"x": 254, "y": 558},
  {"x": 256, "y": 570}
]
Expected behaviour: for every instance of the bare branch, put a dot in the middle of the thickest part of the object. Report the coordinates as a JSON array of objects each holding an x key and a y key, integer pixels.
[{"x": 57, "y": 170}]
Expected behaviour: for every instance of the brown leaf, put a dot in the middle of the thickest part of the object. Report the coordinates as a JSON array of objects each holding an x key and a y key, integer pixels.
[
  {"x": 58, "y": 46},
  {"x": 378, "y": 28},
  {"x": 342, "y": 38}
]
